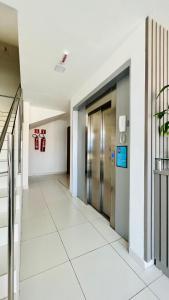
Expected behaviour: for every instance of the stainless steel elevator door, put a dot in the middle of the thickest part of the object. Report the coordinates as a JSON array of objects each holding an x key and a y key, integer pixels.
[
  {"x": 95, "y": 140},
  {"x": 101, "y": 170},
  {"x": 108, "y": 168}
]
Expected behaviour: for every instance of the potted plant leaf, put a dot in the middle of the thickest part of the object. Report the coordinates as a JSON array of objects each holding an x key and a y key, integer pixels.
[{"x": 164, "y": 128}]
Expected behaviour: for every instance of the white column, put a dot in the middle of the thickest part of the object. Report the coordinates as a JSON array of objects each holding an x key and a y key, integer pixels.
[{"x": 25, "y": 169}]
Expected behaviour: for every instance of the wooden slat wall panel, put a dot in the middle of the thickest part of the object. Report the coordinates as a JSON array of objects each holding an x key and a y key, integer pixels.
[
  {"x": 161, "y": 241},
  {"x": 157, "y": 75},
  {"x": 168, "y": 224},
  {"x": 157, "y": 227},
  {"x": 164, "y": 239}
]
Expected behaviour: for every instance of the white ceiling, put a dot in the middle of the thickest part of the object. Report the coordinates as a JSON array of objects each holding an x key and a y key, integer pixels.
[
  {"x": 8, "y": 25},
  {"x": 89, "y": 29}
]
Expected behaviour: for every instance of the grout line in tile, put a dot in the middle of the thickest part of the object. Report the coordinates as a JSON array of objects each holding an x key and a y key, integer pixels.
[
  {"x": 103, "y": 235},
  {"x": 154, "y": 280},
  {"x": 137, "y": 293},
  {"x": 67, "y": 255},
  {"x": 39, "y": 236},
  {"x": 130, "y": 267},
  {"x": 142, "y": 291},
  {"x": 44, "y": 271},
  {"x": 72, "y": 226},
  {"x": 108, "y": 243},
  {"x": 84, "y": 254},
  {"x": 153, "y": 292}
]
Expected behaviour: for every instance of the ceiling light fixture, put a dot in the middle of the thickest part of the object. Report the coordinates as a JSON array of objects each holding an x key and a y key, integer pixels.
[{"x": 60, "y": 67}]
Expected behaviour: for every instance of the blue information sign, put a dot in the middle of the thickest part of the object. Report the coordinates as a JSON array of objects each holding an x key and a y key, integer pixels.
[{"x": 121, "y": 157}]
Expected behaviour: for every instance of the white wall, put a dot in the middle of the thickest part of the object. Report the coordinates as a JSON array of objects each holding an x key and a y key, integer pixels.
[
  {"x": 9, "y": 74},
  {"x": 12, "y": 3},
  {"x": 54, "y": 160},
  {"x": 133, "y": 49},
  {"x": 40, "y": 113}
]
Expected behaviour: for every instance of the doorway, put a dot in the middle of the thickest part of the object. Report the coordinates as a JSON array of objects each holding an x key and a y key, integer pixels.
[{"x": 102, "y": 182}]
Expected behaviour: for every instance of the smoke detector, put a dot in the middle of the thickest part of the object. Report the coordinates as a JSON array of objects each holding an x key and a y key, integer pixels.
[{"x": 60, "y": 67}]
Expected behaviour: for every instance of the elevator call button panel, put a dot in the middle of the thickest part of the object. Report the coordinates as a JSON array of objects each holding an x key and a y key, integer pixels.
[{"x": 121, "y": 156}]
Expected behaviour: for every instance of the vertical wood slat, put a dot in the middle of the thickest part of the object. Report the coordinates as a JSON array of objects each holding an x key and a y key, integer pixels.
[
  {"x": 148, "y": 143},
  {"x": 157, "y": 151},
  {"x": 167, "y": 77},
  {"x": 157, "y": 75},
  {"x": 164, "y": 218},
  {"x": 153, "y": 129},
  {"x": 168, "y": 224},
  {"x": 157, "y": 226},
  {"x": 161, "y": 98},
  {"x": 165, "y": 71}
]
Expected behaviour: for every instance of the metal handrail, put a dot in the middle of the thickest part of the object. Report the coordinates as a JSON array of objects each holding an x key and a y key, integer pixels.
[
  {"x": 20, "y": 136},
  {"x": 15, "y": 108},
  {"x": 11, "y": 216},
  {"x": 4, "y": 131}
]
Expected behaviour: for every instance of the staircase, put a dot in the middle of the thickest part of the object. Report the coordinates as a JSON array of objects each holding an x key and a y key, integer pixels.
[{"x": 10, "y": 203}]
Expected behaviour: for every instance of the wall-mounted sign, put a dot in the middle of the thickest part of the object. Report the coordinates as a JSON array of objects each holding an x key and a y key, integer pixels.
[
  {"x": 121, "y": 156},
  {"x": 37, "y": 135}
]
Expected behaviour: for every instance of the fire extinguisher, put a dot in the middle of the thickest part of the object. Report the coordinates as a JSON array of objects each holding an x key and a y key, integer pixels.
[
  {"x": 36, "y": 139},
  {"x": 43, "y": 140}
]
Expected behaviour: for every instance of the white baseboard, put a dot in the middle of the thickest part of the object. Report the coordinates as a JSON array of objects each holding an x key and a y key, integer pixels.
[
  {"x": 141, "y": 262},
  {"x": 47, "y": 173}
]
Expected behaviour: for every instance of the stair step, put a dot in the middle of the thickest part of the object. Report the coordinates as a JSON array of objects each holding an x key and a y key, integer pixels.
[
  {"x": 4, "y": 201},
  {"x": 4, "y": 235},
  {"x": 3, "y": 165},
  {"x": 2, "y": 122},
  {"x": 3, "y": 204},
  {"x": 4, "y": 211},
  {"x": 8, "y": 131},
  {"x": 3, "y": 260},
  {"x": 4, "y": 286},
  {"x": 3, "y": 219},
  {"x": 3, "y": 154},
  {"x": 3, "y": 193},
  {"x": 4, "y": 181}
]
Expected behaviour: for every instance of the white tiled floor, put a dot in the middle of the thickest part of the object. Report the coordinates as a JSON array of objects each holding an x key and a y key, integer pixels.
[{"x": 69, "y": 252}]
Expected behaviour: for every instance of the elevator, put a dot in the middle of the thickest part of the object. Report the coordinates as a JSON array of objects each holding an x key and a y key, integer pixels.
[
  {"x": 101, "y": 121},
  {"x": 103, "y": 153}
]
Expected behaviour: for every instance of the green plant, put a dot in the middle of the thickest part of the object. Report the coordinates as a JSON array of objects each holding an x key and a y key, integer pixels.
[{"x": 164, "y": 128}]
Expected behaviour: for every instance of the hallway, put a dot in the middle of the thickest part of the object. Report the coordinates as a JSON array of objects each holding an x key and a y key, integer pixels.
[{"x": 68, "y": 251}]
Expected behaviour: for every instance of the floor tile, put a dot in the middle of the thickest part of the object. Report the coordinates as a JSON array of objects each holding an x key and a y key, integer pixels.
[
  {"x": 161, "y": 288},
  {"x": 81, "y": 239},
  {"x": 146, "y": 294},
  {"x": 59, "y": 283},
  {"x": 65, "y": 218},
  {"x": 32, "y": 205},
  {"x": 40, "y": 254},
  {"x": 33, "y": 213},
  {"x": 147, "y": 275},
  {"x": 90, "y": 213},
  {"x": 60, "y": 204},
  {"x": 104, "y": 275},
  {"x": 79, "y": 203},
  {"x": 37, "y": 226},
  {"x": 105, "y": 229}
]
